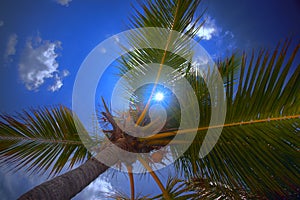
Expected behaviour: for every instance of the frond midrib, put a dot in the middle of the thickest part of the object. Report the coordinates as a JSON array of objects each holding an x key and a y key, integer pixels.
[
  {"x": 40, "y": 140},
  {"x": 162, "y": 62},
  {"x": 251, "y": 122}
]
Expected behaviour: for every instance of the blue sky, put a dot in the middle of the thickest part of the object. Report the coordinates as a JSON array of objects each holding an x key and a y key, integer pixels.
[{"x": 43, "y": 43}]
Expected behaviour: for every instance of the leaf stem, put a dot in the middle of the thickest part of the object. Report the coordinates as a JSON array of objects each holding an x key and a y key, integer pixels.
[
  {"x": 155, "y": 177},
  {"x": 130, "y": 174}
]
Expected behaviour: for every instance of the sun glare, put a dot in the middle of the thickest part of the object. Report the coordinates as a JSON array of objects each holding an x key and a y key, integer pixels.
[{"x": 159, "y": 96}]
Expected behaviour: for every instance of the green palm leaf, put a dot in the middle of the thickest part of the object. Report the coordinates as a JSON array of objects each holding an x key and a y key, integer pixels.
[
  {"x": 174, "y": 15},
  {"x": 40, "y": 140},
  {"x": 259, "y": 146},
  {"x": 198, "y": 188}
]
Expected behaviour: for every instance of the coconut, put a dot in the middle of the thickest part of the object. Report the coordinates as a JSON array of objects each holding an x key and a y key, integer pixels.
[{"x": 157, "y": 156}]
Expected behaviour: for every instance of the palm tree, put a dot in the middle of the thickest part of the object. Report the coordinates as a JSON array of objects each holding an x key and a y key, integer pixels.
[{"x": 257, "y": 151}]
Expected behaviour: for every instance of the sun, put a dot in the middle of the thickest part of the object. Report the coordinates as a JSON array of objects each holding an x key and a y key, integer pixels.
[{"x": 159, "y": 96}]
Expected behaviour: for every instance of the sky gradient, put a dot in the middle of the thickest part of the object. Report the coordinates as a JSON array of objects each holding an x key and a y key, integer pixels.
[{"x": 43, "y": 43}]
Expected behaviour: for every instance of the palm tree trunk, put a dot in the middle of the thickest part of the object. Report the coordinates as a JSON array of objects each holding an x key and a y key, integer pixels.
[{"x": 71, "y": 183}]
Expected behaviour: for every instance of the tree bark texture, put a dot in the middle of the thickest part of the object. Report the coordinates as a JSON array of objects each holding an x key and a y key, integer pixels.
[{"x": 71, "y": 183}]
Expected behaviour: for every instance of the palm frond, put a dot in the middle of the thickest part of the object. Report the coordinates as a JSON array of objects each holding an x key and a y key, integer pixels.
[
  {"x": 177, "y": 190},
  {"x": 268, "y": 86},
  {"x": 198, "y": 188},
  {"x": 259, "y": 146},
  {"x": 174, "y": 15},
  {"x": 39, "y": 141}
]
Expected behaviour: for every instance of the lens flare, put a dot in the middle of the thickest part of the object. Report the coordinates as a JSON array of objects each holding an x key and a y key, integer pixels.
[{"x": 159, "y": 96}]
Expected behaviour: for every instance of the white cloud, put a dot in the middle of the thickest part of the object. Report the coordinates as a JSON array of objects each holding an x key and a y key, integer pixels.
[
  {"x": 96, "y": 190},
  {"x": 57, "y": 84},
  {"x": 208, "y": 30},
  {"x": 207, "y": 33},
  {"x": 58, "y": 81},
  {"x": 38, "y": 62},
  {"x": 230, "y": 34},
  {"x": 223, "y": 40},
  {"x": 11, "y": 45},
  {"x": 1, "y": 23},
  {"x": 64, "y": 2},
  {"x": 65, "y": 73}
]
